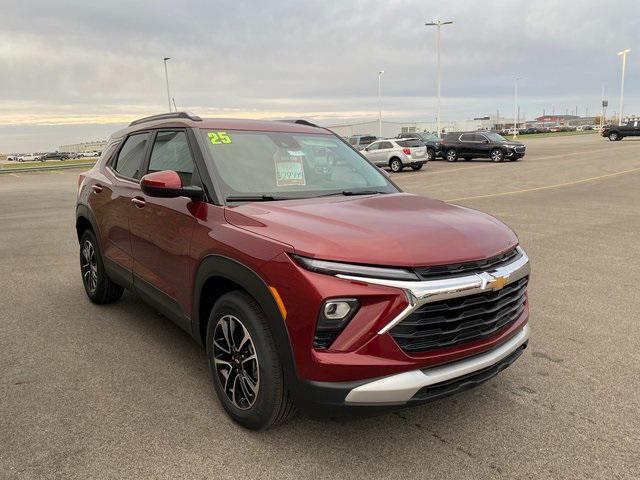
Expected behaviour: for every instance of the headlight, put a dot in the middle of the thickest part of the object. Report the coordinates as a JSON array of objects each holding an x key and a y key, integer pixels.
[{"x": 338, "y": 268}]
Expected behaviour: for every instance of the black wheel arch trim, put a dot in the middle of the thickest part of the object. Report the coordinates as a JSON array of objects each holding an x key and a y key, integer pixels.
[
  {"x": 83, "y": 211},
  {"x": 215, "y": 265}
]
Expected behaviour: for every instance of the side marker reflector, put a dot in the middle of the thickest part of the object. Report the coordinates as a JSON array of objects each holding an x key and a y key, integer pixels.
[{"x": 279, "y": 302}]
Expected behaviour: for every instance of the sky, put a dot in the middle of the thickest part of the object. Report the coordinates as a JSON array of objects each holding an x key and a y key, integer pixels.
[{"x": 73, "y": 71}]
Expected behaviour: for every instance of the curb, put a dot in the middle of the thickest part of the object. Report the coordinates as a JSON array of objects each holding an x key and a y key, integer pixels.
[{"x": 44, "y": 169}]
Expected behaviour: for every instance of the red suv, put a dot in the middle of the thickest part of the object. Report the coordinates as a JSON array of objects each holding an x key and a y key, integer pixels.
[{"x": 311, "y": 279}]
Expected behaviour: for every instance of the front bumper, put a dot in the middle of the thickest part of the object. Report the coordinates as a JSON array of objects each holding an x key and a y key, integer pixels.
[
  {"x": 401, "y": 388},
  {"x": 365, "y": 352}
]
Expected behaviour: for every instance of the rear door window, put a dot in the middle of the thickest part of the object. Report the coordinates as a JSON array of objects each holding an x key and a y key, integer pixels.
[
  {"x": 131, "y": 156},
  {"x": 385, "y": 145},
  {"x": 171, "y": 152}
]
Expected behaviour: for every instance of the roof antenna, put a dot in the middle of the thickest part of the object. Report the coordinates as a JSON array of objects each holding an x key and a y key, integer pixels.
[{"x": 174, "y": 104}]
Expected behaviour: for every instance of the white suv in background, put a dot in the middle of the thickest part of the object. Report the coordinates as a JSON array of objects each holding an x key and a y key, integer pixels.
[{"x": 397, "y": 153}]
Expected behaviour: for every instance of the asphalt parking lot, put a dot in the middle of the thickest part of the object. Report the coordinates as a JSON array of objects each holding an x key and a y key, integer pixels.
[{"x": 120, "y": 392}]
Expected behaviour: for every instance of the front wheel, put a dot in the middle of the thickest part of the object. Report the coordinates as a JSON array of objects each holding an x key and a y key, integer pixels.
[
  {"x": 614, "y": 136},
  {"x": 246, "y": 370},
  {"x": 451, "y": 155},
  {"x": 395, "y": 165},
  {"x": 497, "y": 155}
]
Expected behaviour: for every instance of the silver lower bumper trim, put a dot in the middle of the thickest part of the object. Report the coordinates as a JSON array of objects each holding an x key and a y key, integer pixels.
[{"x": 400, "y": 388}]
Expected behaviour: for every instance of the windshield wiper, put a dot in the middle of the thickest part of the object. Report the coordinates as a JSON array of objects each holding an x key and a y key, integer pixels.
[
  {"x": 348, "y": 193},
  {"x": 254, "y": 198}
]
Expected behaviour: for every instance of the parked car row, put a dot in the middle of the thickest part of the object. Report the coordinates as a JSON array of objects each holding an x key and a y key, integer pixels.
[
  {"x": 43, "y": 157},
  {"x": 414, "y": 149}
]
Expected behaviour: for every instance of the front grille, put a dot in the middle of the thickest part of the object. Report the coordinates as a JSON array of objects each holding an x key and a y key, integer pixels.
[
  {"x": 519, "y": 149},
  {"x": 460, "y": 320},
  {"x": 466, "y": 268}
]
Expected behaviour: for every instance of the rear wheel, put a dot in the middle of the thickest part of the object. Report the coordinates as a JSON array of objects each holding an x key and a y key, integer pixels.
[
  {"x": 431, "y": 154},
  {"x": 451, "y": 155},
  {"x": 497, "y": 155},
  {"x": 395, "y": 164},
  {"x": 99, "y": 287},
  {"x": 468, "y": 158},
  {"x": 247, "y": 374}
]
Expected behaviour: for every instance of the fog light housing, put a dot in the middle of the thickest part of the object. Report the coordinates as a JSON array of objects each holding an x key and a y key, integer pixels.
[{"x": 334, "y": 315}]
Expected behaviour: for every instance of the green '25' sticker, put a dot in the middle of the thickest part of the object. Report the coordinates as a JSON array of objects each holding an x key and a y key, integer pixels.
[{"x": 218, "y": 138}]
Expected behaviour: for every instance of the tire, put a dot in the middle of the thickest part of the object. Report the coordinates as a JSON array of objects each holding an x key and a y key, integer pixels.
[
  {"x": 431, "y": 154},
  {"x": 614, "y": 136},
  {"x": 99, "y": 287},
  {"x": 258, "y": 398},
  {"x": 497, "y": 155},
  {"x": 451, "y": 155},
  {"x": 417, "y": 167},
  {"x": 395, "y": 164}
]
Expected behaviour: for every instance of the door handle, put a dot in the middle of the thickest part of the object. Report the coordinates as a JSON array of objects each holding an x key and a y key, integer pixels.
[
  {"x": 97, "y": 188},
  {"x": 138, "y": 202}
]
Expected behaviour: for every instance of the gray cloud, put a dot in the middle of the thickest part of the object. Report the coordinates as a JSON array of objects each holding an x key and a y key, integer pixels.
[{"x": 98, "y": 63}]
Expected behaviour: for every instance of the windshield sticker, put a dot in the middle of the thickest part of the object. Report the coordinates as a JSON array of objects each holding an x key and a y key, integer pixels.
[
  {"x": 289, "y": 168},
  {"x": 218, "y": 138}
]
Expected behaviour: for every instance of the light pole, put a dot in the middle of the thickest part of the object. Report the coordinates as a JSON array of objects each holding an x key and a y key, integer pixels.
[
  {"x": 380, "y": 73},
  {"x": 515, "y": 108},
  {"x": 438, "y": 24},
  {"x": 166, "y": 78},
  {"x": 624, "y": 64},
  {"x": 603, "y": 107}
]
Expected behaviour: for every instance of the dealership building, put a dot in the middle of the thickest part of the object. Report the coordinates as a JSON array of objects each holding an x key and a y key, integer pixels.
[{"x": 96, "y": 146}]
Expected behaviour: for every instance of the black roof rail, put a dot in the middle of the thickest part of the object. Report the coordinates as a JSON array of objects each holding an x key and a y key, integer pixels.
[
  {"x": 302, "y": 122},
  {"x": 167, "y": 116}
]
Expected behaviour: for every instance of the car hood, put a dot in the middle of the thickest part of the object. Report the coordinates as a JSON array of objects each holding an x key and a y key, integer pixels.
[
  {"x": 392, "y": 229},
  {"x": 513, "y": 144}
]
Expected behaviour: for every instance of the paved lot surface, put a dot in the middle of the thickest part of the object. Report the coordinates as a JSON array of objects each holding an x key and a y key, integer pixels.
[{"x": 120, "y": 392}]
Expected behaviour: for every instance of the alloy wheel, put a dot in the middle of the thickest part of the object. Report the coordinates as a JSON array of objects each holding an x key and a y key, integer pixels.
[
  {"x": 452, "y": 156},
  {"x": 430, "y": 154},
  {"x": 236, "y": 362},
  {"x": 613, "y": 136},
  {"x": 496, "y": 156},
  {"x": 89, "y": 266}
]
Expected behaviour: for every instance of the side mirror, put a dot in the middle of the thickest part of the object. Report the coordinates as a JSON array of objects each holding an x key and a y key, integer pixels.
[{"x": 168, "y": 184}]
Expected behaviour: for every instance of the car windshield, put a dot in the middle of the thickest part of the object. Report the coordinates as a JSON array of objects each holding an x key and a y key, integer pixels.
[
  {"x": 494, "y": 137},
  {"x": 425, "y": 136},
  {"x": 410, "y": 143},
  {"x": 278, "y": 165}
]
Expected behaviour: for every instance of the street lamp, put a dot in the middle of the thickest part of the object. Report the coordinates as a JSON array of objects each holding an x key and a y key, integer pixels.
[
  {"x": 515, "y": 108},
  {"x": 380, "y": 73},
  {"x": 438, "y": 24},
  {"x": 624, "y": 64},
  {"x": 166, "y": 78}
]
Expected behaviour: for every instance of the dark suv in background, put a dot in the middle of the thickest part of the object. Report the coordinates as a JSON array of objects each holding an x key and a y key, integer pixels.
[
  {"x": 618, "y": 132},
  {"x": 469, "y": 145},
  {"x": 263, "y": 240},
  {"x": 431, "y": 140}
]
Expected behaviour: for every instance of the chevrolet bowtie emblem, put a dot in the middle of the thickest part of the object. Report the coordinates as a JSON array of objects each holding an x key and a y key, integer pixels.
[{"x": 497, "y": 283}]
